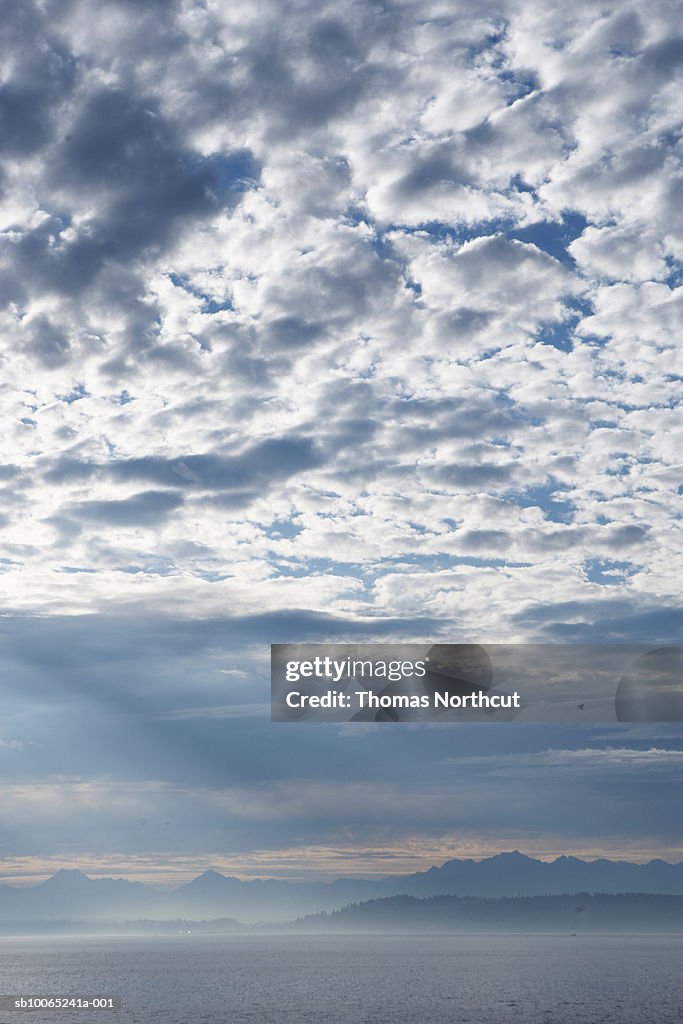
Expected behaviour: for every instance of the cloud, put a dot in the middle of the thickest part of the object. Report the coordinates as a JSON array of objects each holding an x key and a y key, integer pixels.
[
  {"x": 270, "y": 460},
  {"x": 594, "y": 763},
  {"x": 331, "y": 320},
  {"x": 145, "y": 509},
  {"x": 11, "y": 745}
]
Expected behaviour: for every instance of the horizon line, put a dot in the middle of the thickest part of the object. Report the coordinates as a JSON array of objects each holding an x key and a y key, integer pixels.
[{"x": 185, "y": 876}]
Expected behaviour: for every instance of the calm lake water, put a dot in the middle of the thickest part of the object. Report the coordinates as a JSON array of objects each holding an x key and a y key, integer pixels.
[{"x": 483, "y": 979}]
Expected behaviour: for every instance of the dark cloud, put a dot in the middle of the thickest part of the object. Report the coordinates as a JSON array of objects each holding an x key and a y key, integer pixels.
[
  {"x": 43, "y": 73},
  {"x": 145, "y": 186},
  {"x": 100, "y": 687},
  {"x": 665, "y": 55},
  {"x": 337, "y": 85},
  {"x": 484, "y": 540},
  {"x": 288, "y": 332},
  {"x": 474, "y": 476},
  {"x": 24, "y": 122},
  {"x": 625, "y": 537},
  {"x": 48, "y": 342},
  {"x": 429, "y": 171},
  {"x": 603, "y": 621},
  {"x": 269, "y": 461},
  {"x": 146, "y": 509}
]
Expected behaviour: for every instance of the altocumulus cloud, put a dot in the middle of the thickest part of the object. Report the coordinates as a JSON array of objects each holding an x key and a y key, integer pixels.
[
  {"x": 337, "y": 319},
  {"x": 391, "y": 291},
  {"x": 386, "y": 293}
]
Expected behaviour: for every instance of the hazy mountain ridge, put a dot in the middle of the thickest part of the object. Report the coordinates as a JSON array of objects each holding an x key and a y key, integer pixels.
[
  {"x": 575, "y": 914},
  {"x": 514, "y": 873},
  {"x": 69, "y": 894}
]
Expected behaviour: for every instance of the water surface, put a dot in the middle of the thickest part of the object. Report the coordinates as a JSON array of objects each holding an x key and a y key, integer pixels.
[{"x": 400, "y": 979}]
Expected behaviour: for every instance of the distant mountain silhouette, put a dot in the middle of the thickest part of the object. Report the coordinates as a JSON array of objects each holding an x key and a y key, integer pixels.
[
  {"x": 510, "y": 874},
  {"x": 71, "y": 895},
  {"x": 578, "y": 914}
]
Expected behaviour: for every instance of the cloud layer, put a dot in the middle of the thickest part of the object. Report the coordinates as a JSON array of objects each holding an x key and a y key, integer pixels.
[
  {"x": 366, "y": 307},
  {"x": 322, "y": 320}
]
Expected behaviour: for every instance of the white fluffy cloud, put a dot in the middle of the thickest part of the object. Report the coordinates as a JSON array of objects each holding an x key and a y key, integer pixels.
[{"x": 357, "y": 308}]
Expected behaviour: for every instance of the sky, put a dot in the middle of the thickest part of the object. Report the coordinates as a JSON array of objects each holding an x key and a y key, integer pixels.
[{"x": 323, "y": 322}]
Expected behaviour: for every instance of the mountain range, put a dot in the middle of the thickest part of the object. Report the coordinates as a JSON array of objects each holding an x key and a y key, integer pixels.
[{"x": 72, "y": 895}]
